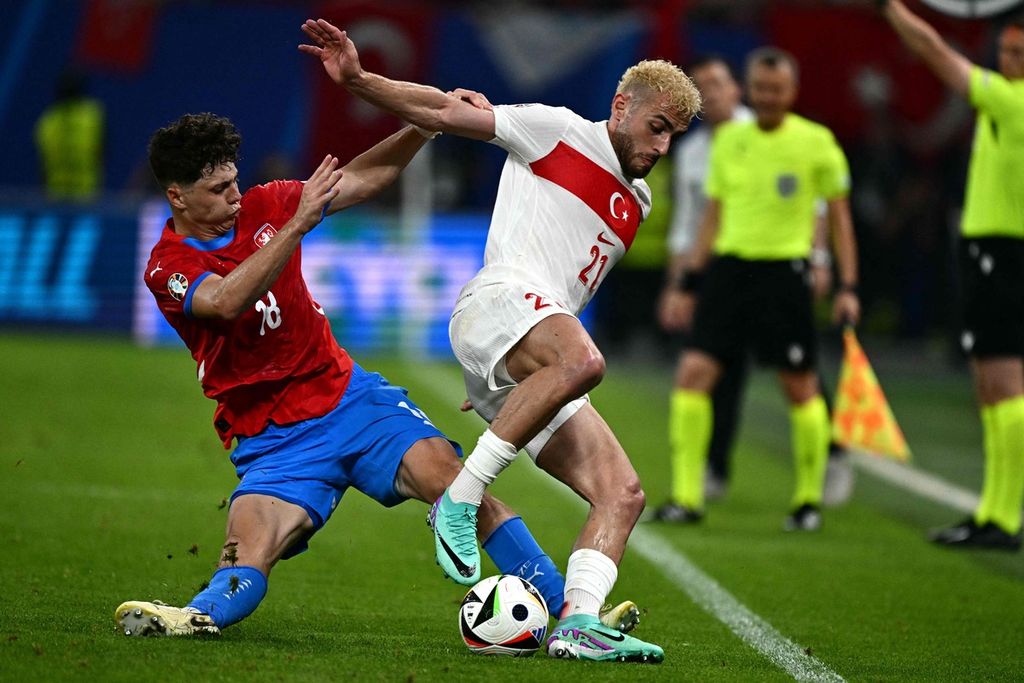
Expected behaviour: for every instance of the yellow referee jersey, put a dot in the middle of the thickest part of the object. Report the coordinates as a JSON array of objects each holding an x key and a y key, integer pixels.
[
  {"x": 994, "y": 206},
  {"x": 768, "y": 183}
]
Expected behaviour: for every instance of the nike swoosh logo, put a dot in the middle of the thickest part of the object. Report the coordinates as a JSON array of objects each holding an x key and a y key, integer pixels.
[
  {"x": 600, "y": 238},
  {"x": 618, "y": 637},
  {"x": 460, "y": 566}
]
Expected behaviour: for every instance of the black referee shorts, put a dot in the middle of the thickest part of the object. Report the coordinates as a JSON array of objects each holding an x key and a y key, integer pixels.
[
  {"x": 992, "y": 273},
  {"x": 759, "y": 306}
]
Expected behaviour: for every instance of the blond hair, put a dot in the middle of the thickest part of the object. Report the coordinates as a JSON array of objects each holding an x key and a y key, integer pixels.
[{"x": 658, "y": 75}]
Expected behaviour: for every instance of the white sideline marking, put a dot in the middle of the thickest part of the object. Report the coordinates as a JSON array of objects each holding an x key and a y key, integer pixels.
[
  {"x": 704, "y": 591},
  {"x": 707, "y": 594},
  {"x": 917, "y": 481}
]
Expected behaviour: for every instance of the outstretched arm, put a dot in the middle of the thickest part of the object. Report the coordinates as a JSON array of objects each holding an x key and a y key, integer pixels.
[
  {"x": 376, "y": 168},
  {"x": 924, "y": 41},
  {"x": 421, "y": 105},
  {"x": 379, "y": 166}
]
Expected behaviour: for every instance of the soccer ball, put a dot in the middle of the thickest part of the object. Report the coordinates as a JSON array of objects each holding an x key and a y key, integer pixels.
[{"x": 503, "y": 615}]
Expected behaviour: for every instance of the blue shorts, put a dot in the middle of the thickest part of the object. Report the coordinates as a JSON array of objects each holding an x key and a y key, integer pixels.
[{"x": 359, "y": 444}]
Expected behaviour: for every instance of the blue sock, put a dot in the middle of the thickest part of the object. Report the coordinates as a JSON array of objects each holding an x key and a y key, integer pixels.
[
  {"x": 514, "y": 551},
  {"x": 233, "y": 594}
]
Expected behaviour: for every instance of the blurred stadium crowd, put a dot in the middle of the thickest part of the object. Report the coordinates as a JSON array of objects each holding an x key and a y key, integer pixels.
[{"x": 906, "y": 137}]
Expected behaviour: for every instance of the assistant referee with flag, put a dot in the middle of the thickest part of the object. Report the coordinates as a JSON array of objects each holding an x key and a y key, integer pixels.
[
  {"x": 992, "y": 267},
  {"x": 765, "y": 177}
]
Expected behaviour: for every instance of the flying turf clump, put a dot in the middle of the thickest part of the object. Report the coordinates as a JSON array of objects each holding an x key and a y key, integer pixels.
[{"x": 230, "y": 553}]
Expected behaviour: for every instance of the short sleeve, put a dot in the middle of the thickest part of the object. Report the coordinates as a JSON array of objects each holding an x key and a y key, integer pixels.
[
  {"x": 832, "y": 176},
  {"x": 172, "y": 275},
  {"x": 991, "y": 93},
  {"x": 530, "y": 130},
  {"x": 276, "y": 198}
]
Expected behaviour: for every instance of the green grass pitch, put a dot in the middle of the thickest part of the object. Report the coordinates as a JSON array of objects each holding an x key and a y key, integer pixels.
[{"x": 112, "y": 482}]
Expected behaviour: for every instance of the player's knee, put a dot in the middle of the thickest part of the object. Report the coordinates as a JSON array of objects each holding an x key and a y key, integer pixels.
[
  {"x": 634, "y": 498},
  {"x": 696, "y": 373},
  {"x": 626, "y": 497},
  {"x": 630, "y": 501},
  {"x": 584, "y": 373},
  {"x": 800, "y": 387}
]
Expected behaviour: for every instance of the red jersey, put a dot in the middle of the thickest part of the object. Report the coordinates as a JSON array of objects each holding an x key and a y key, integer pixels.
[{"x": 277, "y": 362}]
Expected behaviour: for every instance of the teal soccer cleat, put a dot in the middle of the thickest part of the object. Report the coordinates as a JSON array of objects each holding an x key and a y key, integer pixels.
[
  {"x": 583, "y": 636},
  {"x": 455, "y": 547}
]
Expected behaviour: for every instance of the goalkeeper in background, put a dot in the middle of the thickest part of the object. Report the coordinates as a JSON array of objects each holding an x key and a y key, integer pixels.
[{"x": 992, "y": 267}]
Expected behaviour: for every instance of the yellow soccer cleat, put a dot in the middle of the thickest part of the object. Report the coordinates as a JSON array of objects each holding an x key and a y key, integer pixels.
[{"x": 157, "y": 619}]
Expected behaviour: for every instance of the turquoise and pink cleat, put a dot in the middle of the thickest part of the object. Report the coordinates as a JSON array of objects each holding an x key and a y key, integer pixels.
[
  {"x": 455, "y": 546},
  {"x": 583, "y": 636}
]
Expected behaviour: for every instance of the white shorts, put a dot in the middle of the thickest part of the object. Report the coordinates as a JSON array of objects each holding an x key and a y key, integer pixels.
[{"x": 487, "y": 322}]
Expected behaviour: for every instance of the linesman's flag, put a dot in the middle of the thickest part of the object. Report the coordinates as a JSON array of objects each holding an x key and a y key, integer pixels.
[{"x": 861, "y": 417}]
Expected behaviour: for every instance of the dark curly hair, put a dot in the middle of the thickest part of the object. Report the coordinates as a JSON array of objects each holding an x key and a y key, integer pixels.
[{"x": 191, "y": 146}]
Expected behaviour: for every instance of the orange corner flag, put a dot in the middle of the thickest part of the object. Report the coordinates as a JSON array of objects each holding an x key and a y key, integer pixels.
[{"x": 861, "y": 416}]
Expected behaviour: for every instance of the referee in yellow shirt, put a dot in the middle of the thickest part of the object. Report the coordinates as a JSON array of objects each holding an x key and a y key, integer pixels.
[
  {"x": 764, "y": 179},
  {"x": 992, "y": 267}
]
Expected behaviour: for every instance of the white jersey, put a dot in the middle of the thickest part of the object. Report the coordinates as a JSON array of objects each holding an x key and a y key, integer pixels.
[{"x": 565, "y": 213}]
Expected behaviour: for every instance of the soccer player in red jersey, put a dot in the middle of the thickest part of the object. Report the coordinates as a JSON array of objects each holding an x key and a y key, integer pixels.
[{"x": 308, "y": 421}]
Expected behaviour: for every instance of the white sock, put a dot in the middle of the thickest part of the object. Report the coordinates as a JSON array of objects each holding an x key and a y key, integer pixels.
[
  {"x": 490, "y": 457},
  {"x": 588, "y": 581}
]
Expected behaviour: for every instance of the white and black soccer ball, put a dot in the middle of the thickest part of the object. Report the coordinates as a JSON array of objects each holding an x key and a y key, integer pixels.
[{"x": 503, "y": 615}]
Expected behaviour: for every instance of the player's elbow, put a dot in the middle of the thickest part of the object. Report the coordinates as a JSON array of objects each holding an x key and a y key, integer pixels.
[
  {"x": 225, "y": 312},
  {"x": 432, "y": 118},
  {"x": 462, "y": 118},
  {"x": 218, "y": 306}
]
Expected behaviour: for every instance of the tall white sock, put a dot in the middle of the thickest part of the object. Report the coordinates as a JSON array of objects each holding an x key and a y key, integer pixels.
[
  {"x": 490, "y": 457},
  {"x": 588, "y": 581}
]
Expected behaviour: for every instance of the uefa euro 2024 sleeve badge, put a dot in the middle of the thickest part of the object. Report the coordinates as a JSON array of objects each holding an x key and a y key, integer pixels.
[{"x": 177, "y": 285}]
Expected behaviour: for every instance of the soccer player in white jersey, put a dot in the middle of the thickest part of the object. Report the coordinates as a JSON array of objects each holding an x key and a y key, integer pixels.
[{"x": 570, "y": 200}]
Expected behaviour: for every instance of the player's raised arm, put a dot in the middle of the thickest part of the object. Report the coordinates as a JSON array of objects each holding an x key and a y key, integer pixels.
[
  {"x": 421, "y": 105},
  {"x": 924, "y": 41},
  {"x": 376, "y": 168},
  {"x": 379, "y": 166}
]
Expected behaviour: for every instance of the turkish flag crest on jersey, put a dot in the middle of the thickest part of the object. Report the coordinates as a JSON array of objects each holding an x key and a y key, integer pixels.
[{"x": 596, "y": 187}]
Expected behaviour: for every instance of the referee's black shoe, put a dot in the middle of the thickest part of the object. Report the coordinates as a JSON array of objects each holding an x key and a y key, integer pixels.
[
  {"x": 675, "y": 513},
  {"x": 970, "y": 534},
  {"x": 807, "y": 517}
]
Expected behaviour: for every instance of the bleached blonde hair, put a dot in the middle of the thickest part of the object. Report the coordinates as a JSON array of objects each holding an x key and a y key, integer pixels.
[{"x": 658, "y": 75}]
